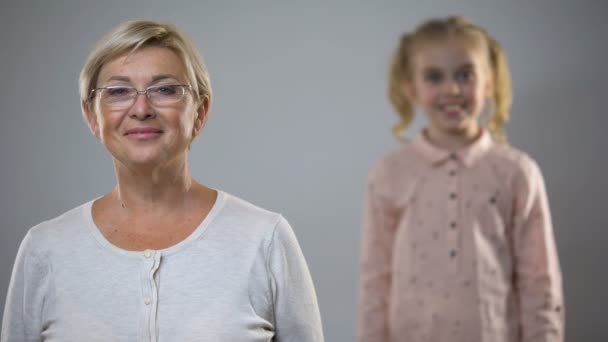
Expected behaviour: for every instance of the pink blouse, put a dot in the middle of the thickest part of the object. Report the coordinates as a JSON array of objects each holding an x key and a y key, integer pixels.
[{"x": 459, "y": 247}]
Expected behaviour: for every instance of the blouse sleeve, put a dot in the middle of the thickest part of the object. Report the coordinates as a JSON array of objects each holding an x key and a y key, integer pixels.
[
  {"x": 296, "y": 311},
  {"x": 27, "y": 296},
  {"x": 537, "y": 270},
  {"x": 375, "y": 268}
]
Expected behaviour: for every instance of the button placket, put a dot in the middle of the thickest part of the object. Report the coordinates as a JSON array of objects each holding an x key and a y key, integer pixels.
[
  {"x": 148, "y": 264},
  {"x": 154, "y": 298},
  {"x": 151, "y": 264},
  {"x": 453, "y": 215}
]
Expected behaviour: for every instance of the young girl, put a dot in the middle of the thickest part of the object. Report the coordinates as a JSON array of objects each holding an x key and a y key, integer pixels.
[{"x": 457, "y": 240}]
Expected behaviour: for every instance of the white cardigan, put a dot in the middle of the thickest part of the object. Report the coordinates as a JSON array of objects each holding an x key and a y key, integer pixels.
[{"x": 240, "y": 276}]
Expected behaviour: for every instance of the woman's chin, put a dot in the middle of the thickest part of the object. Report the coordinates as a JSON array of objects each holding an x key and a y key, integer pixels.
[{"x": 142, "y": 161}]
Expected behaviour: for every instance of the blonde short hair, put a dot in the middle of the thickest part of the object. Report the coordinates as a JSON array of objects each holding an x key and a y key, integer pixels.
[{"x": 132, "y": 35}]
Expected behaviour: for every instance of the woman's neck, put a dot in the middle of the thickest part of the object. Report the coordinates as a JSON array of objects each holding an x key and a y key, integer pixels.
[
  {"x": 152, "y": 209},
  {"x": 148, "y": 189}
]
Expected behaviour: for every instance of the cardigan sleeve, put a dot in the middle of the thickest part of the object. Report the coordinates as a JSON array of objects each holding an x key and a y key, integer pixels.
[
  {"x": 296, "y": 311},
  {"x": 28, "y": 295}
]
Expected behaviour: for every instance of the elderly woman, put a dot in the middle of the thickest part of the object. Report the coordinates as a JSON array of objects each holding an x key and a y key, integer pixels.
[{"x": 161, "y": 257}]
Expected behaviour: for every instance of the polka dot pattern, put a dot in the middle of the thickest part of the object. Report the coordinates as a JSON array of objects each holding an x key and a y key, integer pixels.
[{"x": 464, "y": 224}]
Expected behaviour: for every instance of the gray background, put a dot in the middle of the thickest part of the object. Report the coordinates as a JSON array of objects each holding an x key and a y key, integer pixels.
[{"x": 300, "y": 115}]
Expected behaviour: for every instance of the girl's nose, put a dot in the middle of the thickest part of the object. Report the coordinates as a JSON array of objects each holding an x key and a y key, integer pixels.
[{"x": 452, "y": 87}]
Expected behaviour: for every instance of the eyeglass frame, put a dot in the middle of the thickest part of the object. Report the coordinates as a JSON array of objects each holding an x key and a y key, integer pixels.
[{"x": 141, "y": 92}]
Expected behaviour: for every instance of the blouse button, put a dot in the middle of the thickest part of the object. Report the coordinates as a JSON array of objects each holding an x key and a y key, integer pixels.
[{"x": 147, "y": 300}]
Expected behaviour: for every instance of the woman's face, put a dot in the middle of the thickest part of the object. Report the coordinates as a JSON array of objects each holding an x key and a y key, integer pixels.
[{"x": 141, "y": 131}]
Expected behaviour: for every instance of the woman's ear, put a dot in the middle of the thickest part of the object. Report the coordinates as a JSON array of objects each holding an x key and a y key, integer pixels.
[
  {"x": 201, "y": 117},
  {"x": 91, "y": 117}
]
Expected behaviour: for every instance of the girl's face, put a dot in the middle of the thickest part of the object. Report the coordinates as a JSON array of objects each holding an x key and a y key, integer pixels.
[
  {"x": 140, "y": 131},
  {"x": 450, "y": 82}
]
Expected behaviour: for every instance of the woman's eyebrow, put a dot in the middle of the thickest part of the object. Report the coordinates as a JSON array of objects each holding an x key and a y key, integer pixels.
[
  {"x": 163, "y": 77},
  {"x": 118, "y": 78},
  {"x": 155, "y": 78}
]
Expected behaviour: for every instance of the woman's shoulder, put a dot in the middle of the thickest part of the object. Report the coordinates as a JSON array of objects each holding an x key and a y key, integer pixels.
[
  {"x": 57, "y": 231},
  {"x": 239, "y": 212}
]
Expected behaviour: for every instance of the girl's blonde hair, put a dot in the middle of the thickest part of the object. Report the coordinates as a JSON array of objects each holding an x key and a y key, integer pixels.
[
  {"x": 401, "y": 70},
  {"x": 132, "y": 35}
]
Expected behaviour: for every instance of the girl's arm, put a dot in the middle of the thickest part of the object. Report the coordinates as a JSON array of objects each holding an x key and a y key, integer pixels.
[
  {"x": 537, "y": 271},
  {"x": 376, "y": 264}
]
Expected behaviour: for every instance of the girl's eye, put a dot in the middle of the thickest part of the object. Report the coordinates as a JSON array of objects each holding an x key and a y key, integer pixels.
[
  {"x": 433, "y": 77},
  {"x": 465, "y": 75}
]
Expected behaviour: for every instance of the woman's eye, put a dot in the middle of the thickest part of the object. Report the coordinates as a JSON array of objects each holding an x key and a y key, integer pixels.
[
  {"x": 118, "y": 91},
  {"x": 165, "y": 90}
]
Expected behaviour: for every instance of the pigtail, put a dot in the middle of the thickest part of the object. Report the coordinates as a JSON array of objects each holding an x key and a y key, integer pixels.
[
  {"x": 399, "y": 72},
  {"x": 503, "y": 95}
]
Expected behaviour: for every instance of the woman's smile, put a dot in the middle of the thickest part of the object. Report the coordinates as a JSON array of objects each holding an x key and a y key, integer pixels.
[{"x": 143, "y": 133}]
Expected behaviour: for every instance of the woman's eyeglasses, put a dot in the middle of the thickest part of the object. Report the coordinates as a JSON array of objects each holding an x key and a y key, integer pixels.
[{"x": 124, "y": 96}]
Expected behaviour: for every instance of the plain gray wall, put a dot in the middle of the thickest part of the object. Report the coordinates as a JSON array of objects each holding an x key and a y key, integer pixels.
[{"x": 300, "y": 115}]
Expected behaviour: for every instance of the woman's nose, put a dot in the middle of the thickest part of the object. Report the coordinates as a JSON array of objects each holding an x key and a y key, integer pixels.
[{"x": 141, "y": 108}]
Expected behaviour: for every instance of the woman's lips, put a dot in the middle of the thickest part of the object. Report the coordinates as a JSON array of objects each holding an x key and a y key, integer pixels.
[{"x": 143, "y": 133}]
